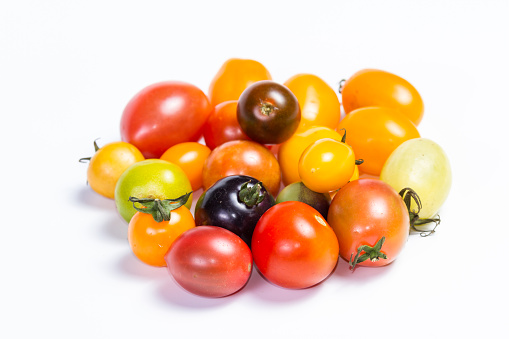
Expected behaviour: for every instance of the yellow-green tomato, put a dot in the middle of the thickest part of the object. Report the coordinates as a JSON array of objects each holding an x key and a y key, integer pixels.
[
  {"x": 326, "y": 165},
  {"x": 151, "y": 178},
  {"x": 422, "y": 165}
]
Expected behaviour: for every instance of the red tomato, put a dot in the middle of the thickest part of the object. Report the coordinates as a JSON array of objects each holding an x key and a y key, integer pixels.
[
  {"x": 222, "y": 125},
  {"x": 243, "y": 157},
  {"x": 365, "y": 210},
  {"x": 293, "y": 246},
  {"x": 210, "y": 261},
  {"x": 163, "y": 115}
]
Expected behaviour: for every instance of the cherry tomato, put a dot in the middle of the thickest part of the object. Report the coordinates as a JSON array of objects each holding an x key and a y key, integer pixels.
[
  {"x": 243, "y": 157},
  {"x": 222, "y": 125},
  {"x": 365, "y": 210},
  {"x": 151, "y": 178},
  {"x": 150, "y": 240},
  {"x": 326, "y": 165},
  {"x": 374, "y": 133},
  {"x": 190, "y": 156},
  {"x": 210, "y": 261},
  {"x": 268, "y": 112},
  {"x": 293, "y": 246},
  {"x": 290, "y": 151},
  {"x": 234, "y": 76},
  {"x": 372, "y": 87},
  {"x": 163, "y": 115},
  {"x": 318, "y": 102},
  {"x": 107, "y": 165}
]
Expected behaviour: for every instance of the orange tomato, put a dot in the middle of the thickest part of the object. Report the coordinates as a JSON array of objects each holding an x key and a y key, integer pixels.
[
  {"x": 234, "y": 76},
  {"x": 374, "y": 133},
  {"x": 150, "y": 240},
  {"x": 108, "y": 164},
  {"x": 291, "y": 150},
  {"x": 319, "y": 104},
  {"x": 371, "y": 87},
  {"x": 190, "y": 156}
]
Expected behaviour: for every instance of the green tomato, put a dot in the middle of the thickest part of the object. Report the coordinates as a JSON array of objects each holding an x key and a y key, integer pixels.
[
  {"x": 422, "y": 165},
  {"x": 299, "y": 192},
  {"x": 152, "y": 178}
]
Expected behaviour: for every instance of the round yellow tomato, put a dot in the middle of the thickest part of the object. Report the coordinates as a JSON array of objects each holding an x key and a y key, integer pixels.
[
  {"x": 234, "y": 76},
  {"x": 107, "y": 165},
  {"x": 326, "y": 165},
  {"x": 319, "y": 104},
  {"x": 190, "y": 156},
  {"x": 291, "y": 150},
  {"x": 372, "y": 87},
  {"x": 374, "y": 133}
]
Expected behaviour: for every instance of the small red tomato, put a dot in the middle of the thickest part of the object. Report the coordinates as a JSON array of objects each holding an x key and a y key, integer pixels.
[
  {"x": 210, "y": 261},
  {"x": 293, "y": 246}
]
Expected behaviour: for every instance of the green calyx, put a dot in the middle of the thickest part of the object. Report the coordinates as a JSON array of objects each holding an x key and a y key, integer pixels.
[
  {"x": 343, "y": 140},
  {"x": 89, "y": 158},
  {"x": 159, "y": 209},
  {"x": 372, "y": 253},
  {"x": 408, "y": 195},
  {"x": 251, "y": 196}
]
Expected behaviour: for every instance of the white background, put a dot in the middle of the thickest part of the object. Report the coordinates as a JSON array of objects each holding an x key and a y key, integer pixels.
[{"x": 68, "y": 68}]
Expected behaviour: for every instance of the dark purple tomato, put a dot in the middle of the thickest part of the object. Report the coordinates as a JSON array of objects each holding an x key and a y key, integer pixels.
[
  {"x": 210, "y": 261},
  {"x": 268, "y": 112},
  {"x": 236, "y": 203},
  {"x": 299, "y": 192}
]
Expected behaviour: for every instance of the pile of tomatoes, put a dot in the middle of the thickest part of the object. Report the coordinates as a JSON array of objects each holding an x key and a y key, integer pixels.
[{"x": 288, "y": 184}]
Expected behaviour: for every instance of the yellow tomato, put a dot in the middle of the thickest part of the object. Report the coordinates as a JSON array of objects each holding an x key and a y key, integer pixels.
[
  {"x": 108, "y": 164},
  {"x": 326, "y": 165},
  {"x": 291, "y": 150},
  {"x": 319, "y": 104}
]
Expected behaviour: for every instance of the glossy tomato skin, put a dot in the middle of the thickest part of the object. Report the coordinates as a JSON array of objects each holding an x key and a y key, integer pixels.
[
  {"x": 150, "y": 240},
  {"x": 290, "y": 151},
  {"x": 164, "y": 114},
  {"x": 318, "y": 102},
  {"x": 246, "y": 158},
  {"x": 210, "y": 261},
  {"x": 299, "y": 192},
  {"x": 234, "y": 76},
  {"x": 268, "y": 112},
  {"x": 372, "y": 87},
  {"x": 365, "y": 210},
  {"x": 190, "y": 156},
  {"x": 107, "y": 165},
  {"x": 374, "y": 133},
  {"x": 222, "y": 125},
  {"x": 222, "y": 206},
  {"x": 293, "y": 246}
]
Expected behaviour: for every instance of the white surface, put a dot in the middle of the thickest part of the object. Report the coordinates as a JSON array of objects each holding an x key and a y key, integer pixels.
[{"x": 68, "y": 68}]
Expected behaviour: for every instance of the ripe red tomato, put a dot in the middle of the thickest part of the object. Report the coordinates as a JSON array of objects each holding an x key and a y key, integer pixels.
[
  {"x": 163, "y": 115},
  {"x": 222, "y": 125},
  {"x": 243, "y": 157},
  {"x": 293, "y": 246},
  {"x": 210, "y": 261},
  {"x": 365, "y": 210}
]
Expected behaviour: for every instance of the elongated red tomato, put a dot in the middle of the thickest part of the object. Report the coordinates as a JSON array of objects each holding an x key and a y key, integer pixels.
[
  {"x": 163, "y": 115},
  {"x": 362, "y": 212}
]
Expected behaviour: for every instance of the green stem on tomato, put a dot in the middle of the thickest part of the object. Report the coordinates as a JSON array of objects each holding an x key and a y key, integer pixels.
[
  {"x": 372, "y": 253},
  {"x": 408, "y": 195},
  {"x": 159, "y": 209}
]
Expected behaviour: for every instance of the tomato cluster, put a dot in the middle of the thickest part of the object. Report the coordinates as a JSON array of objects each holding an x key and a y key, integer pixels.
[{"x": 288, "y": 185}]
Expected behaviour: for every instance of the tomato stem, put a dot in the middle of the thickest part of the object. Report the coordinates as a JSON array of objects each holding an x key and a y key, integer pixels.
[
  {"x": 159, "y": 209},
  {"x": 408, "y": 195},
  {"x": 341, "y": 84},
  {"x": 251, "y": 196},
  {"x": 96, "y": 149},
  {"x": 372, "y": 253},
  {"x": 267, "y": 108}
]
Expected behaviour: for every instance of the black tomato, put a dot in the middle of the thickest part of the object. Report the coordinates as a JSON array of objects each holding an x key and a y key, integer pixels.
[
  {"x": 299, "y": 192},
  {"x": 268, "y": 112},
  {"x": 236, "y": 203}
]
